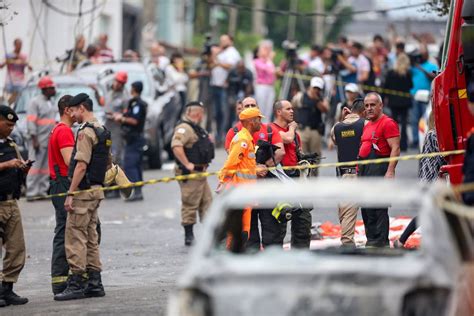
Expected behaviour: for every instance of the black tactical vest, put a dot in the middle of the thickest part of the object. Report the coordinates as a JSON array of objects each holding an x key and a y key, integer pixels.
[
  {"x": 10, "y": 179},
  {"x": 97, "y": 166},
  {"x": 202, "y": 151},
  {"x": 348, "y": 139}
]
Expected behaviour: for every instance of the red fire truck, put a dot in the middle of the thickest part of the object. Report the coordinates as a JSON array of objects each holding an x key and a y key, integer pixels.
[{"x": 449, "y": 89}]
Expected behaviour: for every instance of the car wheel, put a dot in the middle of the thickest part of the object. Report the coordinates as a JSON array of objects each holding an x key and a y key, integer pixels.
[{"x": 154, "y": 155}]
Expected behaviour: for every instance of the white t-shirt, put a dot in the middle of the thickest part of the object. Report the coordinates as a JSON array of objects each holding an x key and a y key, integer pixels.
[
  {"x": 317, "y": 64},
  {"x": 219, "y": 74},
  {"x": 362, "y": 64},
  {"x": 176, "y": 79}
]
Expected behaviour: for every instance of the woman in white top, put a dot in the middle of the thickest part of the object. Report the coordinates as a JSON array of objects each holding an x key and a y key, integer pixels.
[{"x": 177, "y": 76}]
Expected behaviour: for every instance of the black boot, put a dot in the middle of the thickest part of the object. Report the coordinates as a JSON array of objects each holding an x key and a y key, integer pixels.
[
  {"x": 10, "y": 297},
  {"x": 136, "y": 195},
  {"x": 94, "y": 286},
  {"x": 74, "y": 289},
  {"x": 59, "y": 287},
  {"x": 188, "y": 235}
]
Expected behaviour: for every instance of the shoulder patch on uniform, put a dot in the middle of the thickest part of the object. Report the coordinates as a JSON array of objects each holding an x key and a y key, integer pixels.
[
  {"x": 181, "y": 130},
  {"x": 243, "y": 145},
  {"x": 136, "y": 109}
]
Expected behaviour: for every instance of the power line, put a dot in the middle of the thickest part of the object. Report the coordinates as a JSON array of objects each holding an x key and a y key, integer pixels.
[
  {"x": 311, "y": 14},
  {"x": 74, "y": 14}
]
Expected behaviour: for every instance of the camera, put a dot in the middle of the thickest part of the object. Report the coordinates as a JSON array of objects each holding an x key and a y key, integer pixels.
[
  {"x": 336, "y": 52},
  {"x": 290, "y": 48},
  {"x": 207, "y": 45}
]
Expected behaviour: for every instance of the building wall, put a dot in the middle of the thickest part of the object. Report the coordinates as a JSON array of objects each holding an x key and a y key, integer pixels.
[
  {"x": 175, "y": 21},
  {"x": 47, "y": 34}
]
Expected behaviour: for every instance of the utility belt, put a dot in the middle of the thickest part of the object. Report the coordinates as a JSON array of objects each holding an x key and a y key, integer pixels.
[
  {"x": 197, "y": 168},
  {"x": 7, "y": 197},
  {"x": 346, "y": 170},
  {"x": 200, "y": 168}
]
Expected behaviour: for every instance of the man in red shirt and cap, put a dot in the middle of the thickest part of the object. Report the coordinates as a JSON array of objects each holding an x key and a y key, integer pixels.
[{"x": 380, "y": 139}]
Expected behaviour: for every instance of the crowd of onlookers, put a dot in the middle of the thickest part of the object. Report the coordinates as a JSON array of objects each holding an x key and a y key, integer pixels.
[
  {"x": 348, "y": 70},
  {"x": 221, "y": 76}
]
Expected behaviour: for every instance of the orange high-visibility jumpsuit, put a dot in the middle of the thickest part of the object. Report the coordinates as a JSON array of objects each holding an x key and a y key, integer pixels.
[{"x": 241, "y": 167}]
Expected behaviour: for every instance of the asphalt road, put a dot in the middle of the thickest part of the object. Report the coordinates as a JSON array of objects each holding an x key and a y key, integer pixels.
[{"x": 142, "y": 250}]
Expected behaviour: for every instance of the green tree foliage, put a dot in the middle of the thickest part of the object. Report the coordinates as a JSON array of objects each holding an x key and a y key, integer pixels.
[
  {"x": 277, "y": 24},
  {"x": 441, "y": 7}
]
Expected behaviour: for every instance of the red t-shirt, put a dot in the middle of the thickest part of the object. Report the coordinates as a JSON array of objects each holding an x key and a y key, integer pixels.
[
  {"x": 290, "y": 158},
  {"x": 61, "y": 137},
  {"x": 377, "y": 133},
  {"x": 261, "y": 134}
]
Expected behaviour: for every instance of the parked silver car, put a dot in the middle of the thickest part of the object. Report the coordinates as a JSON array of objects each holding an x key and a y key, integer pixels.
[
  {"x": 163, "y": 107},
  {"x": 65, "y": 84},
  {"x": 433, "y": 280}
]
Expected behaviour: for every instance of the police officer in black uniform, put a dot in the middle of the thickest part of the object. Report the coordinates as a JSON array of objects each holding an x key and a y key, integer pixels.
[
  {"x": 13, "y": 171},
  {"x": 133, "y": 123},
  {"x": 346, "y": 136}
]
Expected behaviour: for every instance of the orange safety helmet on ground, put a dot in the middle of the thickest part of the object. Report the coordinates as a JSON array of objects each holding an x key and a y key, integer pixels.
[
  {"x": 121, "y": 76},
  {"x": 46, "y": 82}
]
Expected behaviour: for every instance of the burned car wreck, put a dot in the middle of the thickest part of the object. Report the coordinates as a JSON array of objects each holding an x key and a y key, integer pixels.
[{"x": 436, "y": 279}]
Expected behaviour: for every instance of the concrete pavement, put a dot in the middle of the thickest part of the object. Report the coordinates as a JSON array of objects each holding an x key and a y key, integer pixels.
[{"x": 142, "y": 250}]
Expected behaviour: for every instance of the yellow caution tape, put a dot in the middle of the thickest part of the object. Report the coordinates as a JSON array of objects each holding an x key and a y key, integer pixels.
[
  {"x": 200, "y": 175},
  {"x": 364, "y": 87}
]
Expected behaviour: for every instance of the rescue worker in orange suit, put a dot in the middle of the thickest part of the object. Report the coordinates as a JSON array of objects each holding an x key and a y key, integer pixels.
[
  {"x": 241, "y": 165},
  {"x": 269, "y": 225},
  {"x": 41, "y": 118}
]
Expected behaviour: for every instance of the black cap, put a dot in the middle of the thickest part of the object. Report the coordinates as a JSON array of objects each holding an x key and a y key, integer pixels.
[
  {"x": 137, "y": 86},
  {"x": 79, "y": 99},
  {"x": 8, "y": 113},
  {"x": 195, "y": 103}
]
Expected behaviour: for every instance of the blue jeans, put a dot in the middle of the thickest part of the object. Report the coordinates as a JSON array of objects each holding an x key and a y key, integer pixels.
[
  {"x": 417, "y": 111},
  {"x": 221, "y": 111},
  {"x": 132, "y": 159}
]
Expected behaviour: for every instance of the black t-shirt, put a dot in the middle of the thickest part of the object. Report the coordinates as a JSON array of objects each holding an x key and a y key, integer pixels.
[
  {"x": 395, "y": 81},
  {"x": 308, "y": 115}
]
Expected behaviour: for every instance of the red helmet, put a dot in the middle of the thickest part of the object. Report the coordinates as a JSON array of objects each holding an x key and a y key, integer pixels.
[
  {"x": 121, "y": 76},
  {"x": 46, "y": 82}
]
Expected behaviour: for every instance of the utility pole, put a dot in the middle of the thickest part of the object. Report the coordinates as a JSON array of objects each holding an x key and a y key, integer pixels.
[
  {"x": 258, "y": 18},
  {"x": 233, "y": 13},
  {"x": 292, "y": 20},
  {"x": 318, "y": 22}
]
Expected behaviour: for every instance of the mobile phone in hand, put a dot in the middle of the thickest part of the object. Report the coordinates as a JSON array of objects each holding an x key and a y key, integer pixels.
[{"x": 30, "y": 163}]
